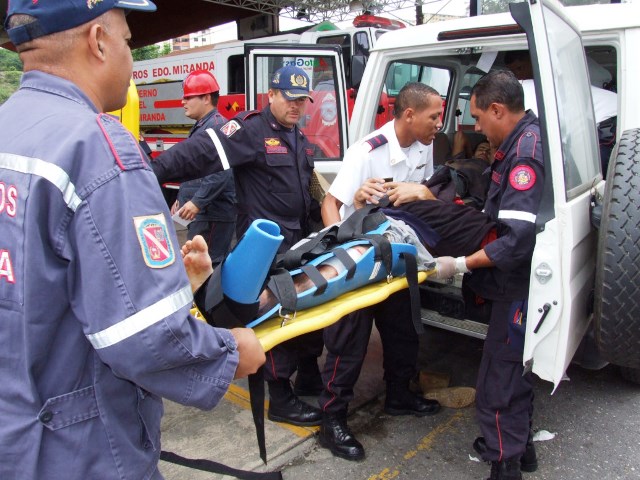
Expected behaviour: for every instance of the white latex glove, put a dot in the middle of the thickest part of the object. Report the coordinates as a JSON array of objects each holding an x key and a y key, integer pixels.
[{"x": 447, "y": 267}]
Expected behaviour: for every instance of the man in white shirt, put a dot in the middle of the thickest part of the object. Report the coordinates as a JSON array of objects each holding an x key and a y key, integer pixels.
[{"x": 392, "y": 160}]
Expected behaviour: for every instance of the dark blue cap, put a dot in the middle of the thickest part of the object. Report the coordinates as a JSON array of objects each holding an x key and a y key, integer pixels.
[
  {"x": 53, "y": 16},
  {"x": 293, "y": 82}
]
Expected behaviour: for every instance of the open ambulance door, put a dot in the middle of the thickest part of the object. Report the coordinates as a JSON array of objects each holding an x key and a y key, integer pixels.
[
  {"x": 325, "y": 120},
  {"x": 563, "y": 265}
]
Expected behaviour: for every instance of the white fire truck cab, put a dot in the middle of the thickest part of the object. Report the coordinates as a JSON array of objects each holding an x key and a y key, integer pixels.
[{"x": 584, "y": 285}]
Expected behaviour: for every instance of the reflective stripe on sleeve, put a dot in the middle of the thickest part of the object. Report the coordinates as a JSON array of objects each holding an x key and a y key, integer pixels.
[
  {"x": 142, "y": 319},
  {"x": 216, "y": 142},
  {"x": 53, "y": 173},
  {"x": 517, "y": 215}
]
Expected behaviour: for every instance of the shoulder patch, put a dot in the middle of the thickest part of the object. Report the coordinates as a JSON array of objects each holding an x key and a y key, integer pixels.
[
  {"x": 377, "y": 141},
  {"x": 231, "y": 127},
  {"x": 522, "y": 177},
  {"x": 155, "y": 242},
  {"x": 527, "y": 144},
  {"x": 124, "y": 147}
]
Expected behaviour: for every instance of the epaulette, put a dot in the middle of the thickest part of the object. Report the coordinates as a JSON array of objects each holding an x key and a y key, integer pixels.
[
  {"x": 246, "y": 114},
  {"x": 377, "y": 141},
  {"x": 123, "y": 145},
  {"x": 527, "y": 144}
]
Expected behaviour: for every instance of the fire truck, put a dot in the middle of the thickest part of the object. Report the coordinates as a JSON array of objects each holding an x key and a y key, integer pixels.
[{"x": 159, "y": 82}]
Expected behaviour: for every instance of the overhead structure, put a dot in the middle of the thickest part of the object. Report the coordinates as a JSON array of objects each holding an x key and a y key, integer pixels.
[{"x": 176, "y": 18}]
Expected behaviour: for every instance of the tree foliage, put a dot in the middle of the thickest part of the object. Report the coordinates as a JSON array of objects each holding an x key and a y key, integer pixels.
[
  {"x": 10, "y": 73},
  {"x": 150, "y": 51}
]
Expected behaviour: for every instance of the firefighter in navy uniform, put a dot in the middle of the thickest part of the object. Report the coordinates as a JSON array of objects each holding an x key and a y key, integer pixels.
[
  {"x": 272, "y": 163},
  {"x": 500, "y": 273},
  {"x": 94, "y": 299},
  {"x": 208, "y": 202}
]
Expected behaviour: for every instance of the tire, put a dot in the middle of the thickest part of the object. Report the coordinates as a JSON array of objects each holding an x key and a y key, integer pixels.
[
  {"x": 630, "y": 374},
  {"x": 617, "y": 288}
]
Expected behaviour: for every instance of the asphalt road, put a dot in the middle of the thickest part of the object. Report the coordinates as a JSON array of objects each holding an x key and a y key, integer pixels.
[{"x": 595, "y": 417}]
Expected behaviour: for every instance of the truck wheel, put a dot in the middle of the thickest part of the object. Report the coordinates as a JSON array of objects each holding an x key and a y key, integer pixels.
[
  {"x": 630, "y": 374},
  {"x": 617, "y": 288}
]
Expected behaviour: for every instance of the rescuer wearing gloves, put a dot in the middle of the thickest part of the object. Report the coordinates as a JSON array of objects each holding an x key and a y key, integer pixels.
[{"x": 499, "y": 272}]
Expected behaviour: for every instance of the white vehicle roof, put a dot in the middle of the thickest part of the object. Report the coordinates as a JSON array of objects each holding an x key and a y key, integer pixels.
[{"x": 588, "y": 18}]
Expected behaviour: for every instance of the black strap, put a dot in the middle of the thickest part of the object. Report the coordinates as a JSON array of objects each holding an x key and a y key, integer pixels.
[
  {"x": 215, "y": 467},
  {"x": 411, "y": 267},
  {"x": 346, "y": 260},
  {"x": 256, "y": 398},
  {"x": 282, "y": 287},
  {"x": 316, "y": 277}
]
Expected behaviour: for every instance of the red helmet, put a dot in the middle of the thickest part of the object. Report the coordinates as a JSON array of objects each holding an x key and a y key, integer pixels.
[{"x": 199, "y": 82}]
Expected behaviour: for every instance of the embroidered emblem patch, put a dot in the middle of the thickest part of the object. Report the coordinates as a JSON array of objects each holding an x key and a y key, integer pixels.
[
  {"x": 309, "y": 151},
  {"x": 154, "y": 239},
  {"x": 522, "y": 177},
  {"x": 230, "y": 128},
  {"x": 273, "y": 145}
]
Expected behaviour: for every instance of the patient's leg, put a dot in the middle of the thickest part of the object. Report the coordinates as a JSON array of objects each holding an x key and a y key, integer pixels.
[
  {"x": 329, "y": 269},
  {"x": 197, "y": 262}
]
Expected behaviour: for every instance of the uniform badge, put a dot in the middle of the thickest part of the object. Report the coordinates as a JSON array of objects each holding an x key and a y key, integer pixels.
[
  {"x": 230, "y": 128},
  {"x": 273, "y": 145},
  {"x": 522, "y": 177},
  {"x": 154, "y": 239}
]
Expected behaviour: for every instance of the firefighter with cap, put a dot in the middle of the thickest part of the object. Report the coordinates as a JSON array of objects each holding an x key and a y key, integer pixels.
[
  {"x": 272, "y": 163},
  {"x": 94, "y": 297},
  {"x": 208, "y": 203}
]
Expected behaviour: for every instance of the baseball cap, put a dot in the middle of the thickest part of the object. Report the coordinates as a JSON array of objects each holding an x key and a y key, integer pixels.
[
  {"x": 53, "y": 16},
  {"x": 292, "y": 81}
]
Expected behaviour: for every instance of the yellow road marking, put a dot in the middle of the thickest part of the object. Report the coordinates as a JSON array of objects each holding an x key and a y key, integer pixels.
[
  {"x": 240, "y": 397},
  {"x": 425, "y": 444}
]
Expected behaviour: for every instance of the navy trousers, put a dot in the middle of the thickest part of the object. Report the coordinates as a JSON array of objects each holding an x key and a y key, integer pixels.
[{"x": 504, "y": 395}]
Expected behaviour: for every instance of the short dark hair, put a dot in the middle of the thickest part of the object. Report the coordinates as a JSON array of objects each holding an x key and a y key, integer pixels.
[
  {"x": 413, "y": 95},
  {"x": 499, "y": 86}
]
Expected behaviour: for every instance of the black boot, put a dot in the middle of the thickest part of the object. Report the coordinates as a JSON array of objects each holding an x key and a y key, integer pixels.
[
  {"x": 336, "y": 436},
  {"x": 508, "y": 469},
  {"x": 285, "y": 407},
  {"x": 308, "y": 381},
  {"x": 401, "y": 401},
  {"x": 528, "y": 461}
]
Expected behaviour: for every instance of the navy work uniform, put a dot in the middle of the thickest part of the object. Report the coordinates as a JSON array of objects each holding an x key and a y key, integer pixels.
[
  {"x": 94, "y": 298},
  {"x": 504, "y": 398},
  {"x": 215, "y": 196},
  {"x": 272, "y": 167}
]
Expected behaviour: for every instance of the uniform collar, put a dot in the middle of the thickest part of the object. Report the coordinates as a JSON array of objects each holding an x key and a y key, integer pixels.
[
  {"x": 45, "y": 82},
  {"x": 508, "y": 142},
  {"x": 204, "y": 119}
]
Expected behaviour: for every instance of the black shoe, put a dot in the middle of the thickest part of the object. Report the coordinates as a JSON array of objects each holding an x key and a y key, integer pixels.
[
  {"x": 295, "y": 412},
  {"x": 308, "y": 385},
  {"x": 528, "y": 461},
  {"x": 508, "y": 469},
  {"x": 404, "y": 402},
  {"x": 336, "y": 436}
]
